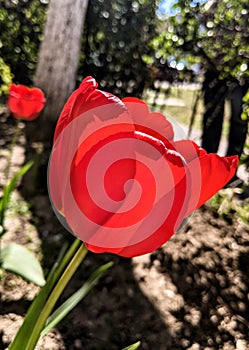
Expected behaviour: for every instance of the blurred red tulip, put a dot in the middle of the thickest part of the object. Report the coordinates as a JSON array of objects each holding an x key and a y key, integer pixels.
[
  {"x": 119, "y": 180},
  {"x": 24, "y": 102}
]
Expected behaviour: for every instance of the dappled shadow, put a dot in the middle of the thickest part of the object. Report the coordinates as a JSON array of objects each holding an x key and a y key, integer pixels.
[
  {"x": 116, "y": 313},
  {"x": 212, "y": 278},
  {"x": 207, "y": 266}
]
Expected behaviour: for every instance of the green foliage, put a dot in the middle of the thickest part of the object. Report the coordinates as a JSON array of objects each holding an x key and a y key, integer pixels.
[
  {"x": 71, "y": 302},
  {"x": 5, "y": 77},
  {"x": 8, "y": 189},
  {"x": 113, "y": 51},
  {"x": 133, "y": 346},
  {"x": 21, "y": 31},
  {"x": 27, "y": 333},
  {"x": 115, "y": 47},
  {"x": 227, "y": 205},
  {"x": 245, "y": 113},
  {"x": 116, "y": 51},
  {"x": 214, "y": 33},
  {"x": 14, "y": 257},
  {"x": 39, "y": 320},
  {"x": 244, "y": 159},
  {"x": 19, "y": 260}
]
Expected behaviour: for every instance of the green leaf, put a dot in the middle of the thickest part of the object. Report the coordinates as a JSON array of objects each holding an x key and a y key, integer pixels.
[
  {"x": 133, "y": 346},
  {"x": 71, "y": 302},
  {"x": 8, "y": 189},
  {"x": 32, "y": 317},
  {"x": 18, "y": 259}
]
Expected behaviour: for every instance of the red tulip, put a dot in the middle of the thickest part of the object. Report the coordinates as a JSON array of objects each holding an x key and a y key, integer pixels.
[
  {"x": 117, "y": 178},
  {"x": 25, "y": 103}
]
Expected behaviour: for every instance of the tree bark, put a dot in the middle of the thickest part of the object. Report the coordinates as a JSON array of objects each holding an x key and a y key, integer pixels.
[
  {"x": 56, "y": 76},
  {"x": 59, "y": 53}
]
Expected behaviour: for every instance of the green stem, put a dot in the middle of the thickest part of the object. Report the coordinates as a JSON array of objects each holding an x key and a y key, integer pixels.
[
  {"x": 29, "y": 333},
  {"x": 54, "y": 296},
  {"x": 12, "y": 145}
]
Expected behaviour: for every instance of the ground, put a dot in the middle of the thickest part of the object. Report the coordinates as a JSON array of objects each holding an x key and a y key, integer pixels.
[{"x": 190, "y": 294}]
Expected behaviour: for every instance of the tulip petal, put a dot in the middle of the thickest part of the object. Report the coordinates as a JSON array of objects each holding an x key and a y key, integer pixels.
[
  {"x": 158, "y": 214},
  {"x": 123, "y": 184},
  {"x": 189, "y": 149},
  {"x": 85, "y": 98},
  {"x": 209, "y": 173},
  {"x": 25, "y": 103},
  {"x": 157, "y": 238},
  {"x": 152, "y": 123}
]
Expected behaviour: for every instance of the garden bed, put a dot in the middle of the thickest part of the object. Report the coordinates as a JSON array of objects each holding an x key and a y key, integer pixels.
[{"x": 190, "y": 294}]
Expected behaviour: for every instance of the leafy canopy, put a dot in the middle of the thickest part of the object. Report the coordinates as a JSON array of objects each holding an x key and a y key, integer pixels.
[
  {"x": 115, "y": 40},
  {"x": 115, "y": 47},
  {"x": 22, "y": 23},
  {"x": 214, "y": 33}
]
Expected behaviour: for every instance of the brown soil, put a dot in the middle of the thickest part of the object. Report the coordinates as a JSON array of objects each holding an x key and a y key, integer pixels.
[{"x": 190, "y": 294}]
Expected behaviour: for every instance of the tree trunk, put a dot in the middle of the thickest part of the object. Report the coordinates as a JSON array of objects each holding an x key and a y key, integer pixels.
[
  {"x": 59, "y": 53},
  {"x": 56, "y": 76}
]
